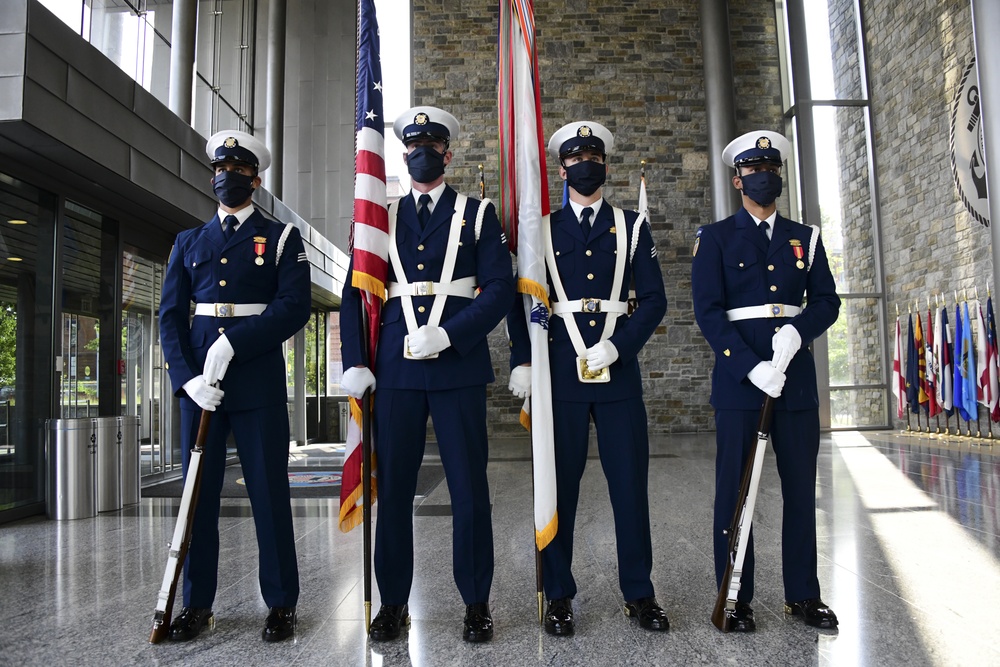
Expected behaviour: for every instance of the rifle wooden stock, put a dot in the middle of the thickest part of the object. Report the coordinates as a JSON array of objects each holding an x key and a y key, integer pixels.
[
  {"x": 182, "y": 536},
  {"x": 739, "y": 527}
]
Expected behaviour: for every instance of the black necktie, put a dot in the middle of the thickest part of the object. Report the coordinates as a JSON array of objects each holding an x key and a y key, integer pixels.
[
  {"x": 585, "y": 221},
  {"x": 763, "y": 227},
  {"x": 230, "y": 230},
  {"x": 424, "y": 210}
]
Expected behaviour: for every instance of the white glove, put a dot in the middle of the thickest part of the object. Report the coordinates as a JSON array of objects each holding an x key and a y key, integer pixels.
[
  {"x": 356, "y": 380},
  {"x": 428, "y": 340},
  {"x": 520, "y": 381},
  {"x": 767, "y": 378},
  {"x": 217, "y": 360},
  {"x": 201, "y": 392},
  {"x": 785, "y": 343},
  {"x": 601, "y": 355}
]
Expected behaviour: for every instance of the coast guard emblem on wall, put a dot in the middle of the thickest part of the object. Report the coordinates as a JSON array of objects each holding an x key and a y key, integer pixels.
[{"x": 967, "y": 147}]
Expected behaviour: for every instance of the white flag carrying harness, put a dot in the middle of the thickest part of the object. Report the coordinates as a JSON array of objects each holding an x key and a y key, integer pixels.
[
  {"x": 445, "y": 285},
  {"x": 614, "y": 308}
]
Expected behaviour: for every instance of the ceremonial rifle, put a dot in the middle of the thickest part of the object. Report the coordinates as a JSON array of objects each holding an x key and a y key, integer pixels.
[
  {"x": 182, "y": 535},
  {"x": 739, "y": 528}
]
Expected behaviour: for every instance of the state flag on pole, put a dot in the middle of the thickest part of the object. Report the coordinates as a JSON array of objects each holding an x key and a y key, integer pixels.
[
  {"x": 898, "y": 382},
  {"x": 983, "y": 376},
  {"x": 524, "y": 201},
  {"x": 369, "y": 240},
  {"x": 992, "y": 361},
  {"x": 912, "y": 378},
  {"x": 918, "y": 346},
  {"x": 959, "y": 360},
  {"x": 943, "y": 348},
  {"x": 933, "y": 407},
  {"x": 969, "y": 375}
]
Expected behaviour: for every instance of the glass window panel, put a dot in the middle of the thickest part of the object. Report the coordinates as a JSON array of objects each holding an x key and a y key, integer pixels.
[
  {"x": 845, "y": 198},
  {"x": 853, "y": 344},
  {"x": 831, "y": 33},
  {"x": 334, "y": 366},
  {"x": 70, "y": 12},
  {"x": 395, "y": 42},
  {"x": 857, "y": 408}
]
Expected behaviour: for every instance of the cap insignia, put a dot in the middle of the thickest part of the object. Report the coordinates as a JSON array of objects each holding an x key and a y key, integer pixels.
[
  {"x": 230, "y": 142},
  {"x": 584, "y": 131},
  {"x": 763, "y": 143},
  {"x": 421, "y": 119}
]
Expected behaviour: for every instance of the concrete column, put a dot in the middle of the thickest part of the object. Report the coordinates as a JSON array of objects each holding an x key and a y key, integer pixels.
[
  {"x": 985, "y": 19},
  {"x": 720, "y": 106},
  {"x": 183, "y": 31},
  {"x": 274, "y": 137}
]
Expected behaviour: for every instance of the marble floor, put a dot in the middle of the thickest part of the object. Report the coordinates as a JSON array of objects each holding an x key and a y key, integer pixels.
[{"x": 908, "y": 550}]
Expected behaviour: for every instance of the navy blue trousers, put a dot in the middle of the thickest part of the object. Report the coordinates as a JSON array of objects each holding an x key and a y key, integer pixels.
[
  {"x": 459, "y": 417},
  {"x": 623, "y": 445},
  {"x": 794, "y": 445},
  {"x": 262, "y": 445}
]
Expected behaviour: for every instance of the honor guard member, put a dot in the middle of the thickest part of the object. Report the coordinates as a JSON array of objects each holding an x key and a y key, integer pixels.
[
  {"x": 450, "y": 283},
  {"x": 596, "y": 252},
  {"x": 247, "y": 278},
  {"x": 749, "y": 277}
]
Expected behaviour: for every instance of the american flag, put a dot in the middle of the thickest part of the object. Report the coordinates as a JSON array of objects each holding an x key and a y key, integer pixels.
[
  {"x": 524, "y": 200},
  {"x": 369, "y": 244}
]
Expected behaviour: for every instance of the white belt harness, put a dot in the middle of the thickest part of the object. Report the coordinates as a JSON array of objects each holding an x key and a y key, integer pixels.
[
  {"x": 445, "y": 286},
  {"x": 565, "y": 307},
  {"x": 772, "y": 310},
  {"x": 229, "y": 309}
]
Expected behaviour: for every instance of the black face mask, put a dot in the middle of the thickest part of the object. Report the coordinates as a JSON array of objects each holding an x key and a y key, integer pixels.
[
  {"x": 232, "y": 188},
  {"x": 425, "y": 164},
  {"x": 586, "y": 177},
  {"x": 762, "y": 187}
]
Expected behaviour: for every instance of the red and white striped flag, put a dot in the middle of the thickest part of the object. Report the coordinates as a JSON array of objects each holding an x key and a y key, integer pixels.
[
  {"x": 933, "y": 406},
  {"x": 898, "y": 378},
  {"x": 369, "y": 238},
  {"x": 983, "y": 389},
  {"x": 524, "y": 200}
]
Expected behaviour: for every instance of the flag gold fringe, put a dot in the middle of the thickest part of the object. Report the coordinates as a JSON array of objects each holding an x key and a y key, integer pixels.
[
  {"x": 525, "y": 419},
  {"x": 351, "y": 513},
  {"x": 368, "y": 283},
  {"x": 543, "y": 537},
  {"x": 532, "y": 288}
]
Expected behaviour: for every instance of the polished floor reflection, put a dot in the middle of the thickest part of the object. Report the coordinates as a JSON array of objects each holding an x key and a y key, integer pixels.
[{"x": 908, "y": 544}]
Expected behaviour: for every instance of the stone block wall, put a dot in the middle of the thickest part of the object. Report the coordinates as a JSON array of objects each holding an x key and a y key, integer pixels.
[{"x": 637, "y": 68}]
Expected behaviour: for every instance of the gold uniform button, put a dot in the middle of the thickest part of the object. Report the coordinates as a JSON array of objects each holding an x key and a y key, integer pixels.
[
  {"x": 589, "y": 253},
  {"x": 459, "y": 244},
  {"x": 777, "y": 329},
  {"x": 558, "y": 253},
  {"x": 224, "y": 260},
  {"x": 741, "y": 265},
  {"x": 420, "y": 267},
  {"x": 222, "y": 329},
  {"x": 590, "y": 276},
  {"x": 774, "y": 288},
  {"x": 420, "y": 247},
  {"x": 167, "y": 366},
  {"x": 770, "y": 267},
  {"x": 593, "y": 323},
  {"x": 726, "y": 352},
  {"x": 222, "y": 283},
  {"x": 421, "y": 309}
]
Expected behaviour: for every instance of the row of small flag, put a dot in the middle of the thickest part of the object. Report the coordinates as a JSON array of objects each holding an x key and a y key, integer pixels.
[{"x": 947, "y": 375}]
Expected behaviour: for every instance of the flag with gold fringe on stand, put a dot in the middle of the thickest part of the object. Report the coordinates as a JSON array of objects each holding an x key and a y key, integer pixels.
[
  {"x": 524, "y": 201},
  {"x": 369, "y": 244}
]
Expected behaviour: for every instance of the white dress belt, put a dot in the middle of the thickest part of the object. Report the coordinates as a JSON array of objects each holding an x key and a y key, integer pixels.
[
  {"x": 463, "y": 287},
  {"x": 589, "y": 306},
  {"x": 229, "y": 309},
  {"x": 763, "y": 312}
]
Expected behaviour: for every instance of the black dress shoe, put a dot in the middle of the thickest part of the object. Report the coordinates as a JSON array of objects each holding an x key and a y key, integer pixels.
[
  {"x": 478, "y": 623},
  {"x": 814, "y": 612},
  {"x": 742, "y": 619},
  {"x": 280, "y": 624},
  {"x": 190, "y": 623},
  {"x": 389, "y": 621},
  {"x": 650, "y": 614},
  {"x": 559, "y": 617}
]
